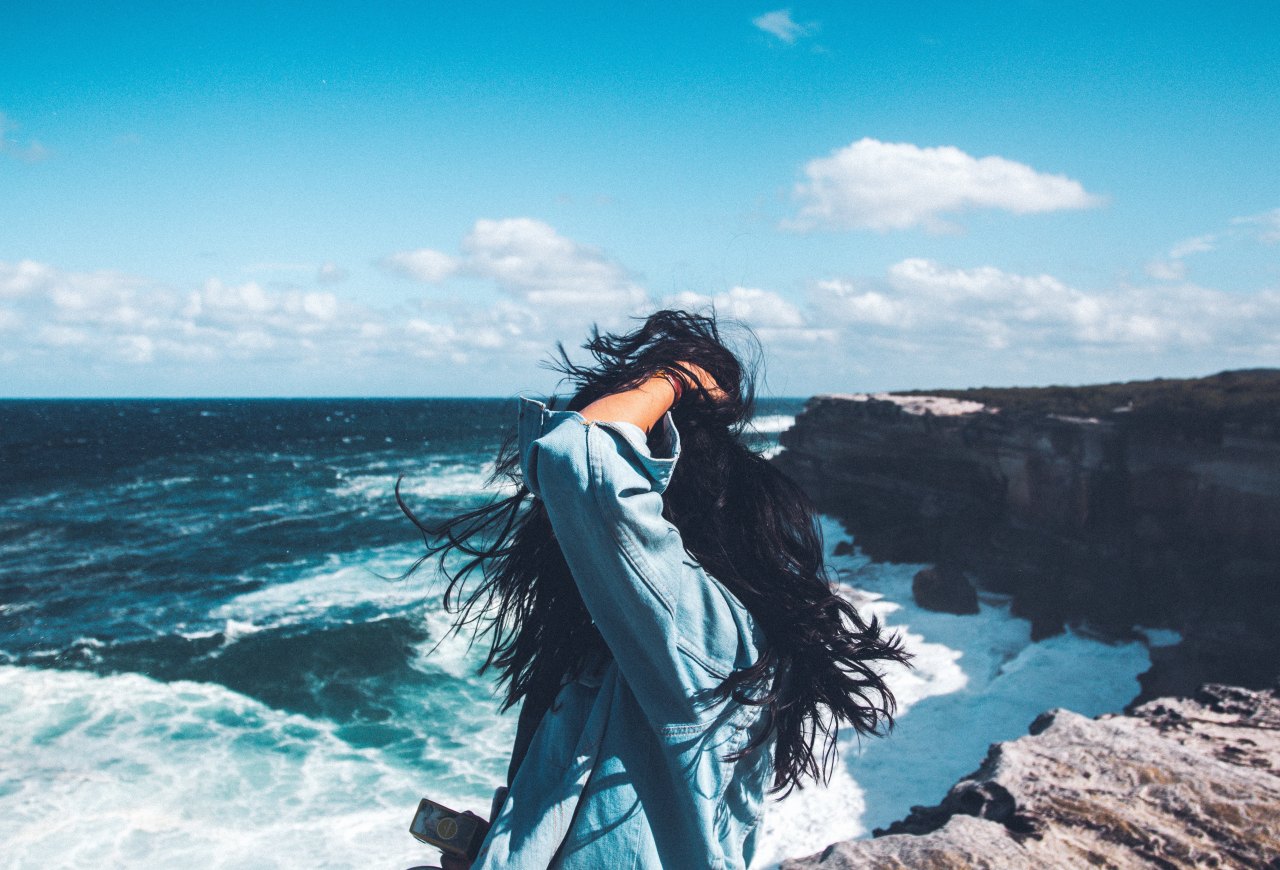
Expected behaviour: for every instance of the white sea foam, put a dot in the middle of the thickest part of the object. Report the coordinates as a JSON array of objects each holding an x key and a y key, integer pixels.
[
  {"x": 122, "y": 771},
  {"x": 16, "y": 504},
  {"x": 809, "y": 820},
  {"x": 977, "y": 679},
  {"x": 342, "y": 583},
  {"x": 234, "y": 630},
  {"x": 440, "y": 480},
  {"x": 271, "y": 507},
  {"x": 772, "y": 423},
  {"x": 146, "y": 484}
]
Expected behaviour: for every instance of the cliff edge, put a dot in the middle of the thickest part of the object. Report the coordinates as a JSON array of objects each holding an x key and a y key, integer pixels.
[
  {"x": 1152, "y": 503},
  {"x": 1177, "y": 783}
]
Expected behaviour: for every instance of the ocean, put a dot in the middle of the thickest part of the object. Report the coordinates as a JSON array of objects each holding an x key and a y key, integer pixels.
[{"x": 206, "y": 659}]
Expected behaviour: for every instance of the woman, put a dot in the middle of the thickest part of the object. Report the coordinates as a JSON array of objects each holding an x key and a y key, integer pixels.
[{"x": 657, "y": 603}]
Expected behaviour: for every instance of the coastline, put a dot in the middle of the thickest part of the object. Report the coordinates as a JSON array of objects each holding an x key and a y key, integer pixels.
[{"x": 1155, "y": 519}]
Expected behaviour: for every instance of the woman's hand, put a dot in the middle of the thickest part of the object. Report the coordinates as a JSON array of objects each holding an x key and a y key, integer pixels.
[
  {"x": 703, "y": 377},
  {"x": 644, "y": 405}
]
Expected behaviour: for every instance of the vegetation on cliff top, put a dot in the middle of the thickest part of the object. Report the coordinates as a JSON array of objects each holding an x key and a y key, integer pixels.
[{"x": 1243, "y": 399}]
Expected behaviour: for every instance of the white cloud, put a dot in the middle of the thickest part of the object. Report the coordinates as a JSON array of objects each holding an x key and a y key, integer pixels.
[
  {"x": 954, "y": 310},
  {"x": 850, "y": 305},
  {"x": 136, "y": 348},
  {"x": 331, "y": 273},
  {"x": 550, "y": 288},
  {"x": 771, "y": 317},
  {"x": 424, "y": 264},
  {"x": 113, "y": 322},
  {"x": 23, "y": 278},
  {"x": 531, "y": 261},
  {"x": 893, "y": 186},
  {"x": 1166, "y": 270},
  {"x": 30, "y": 152},
  {"x": 781, "y": 25},
  {"x": 917, "y": 319},
  {"x": 106, "y": 317},
  {"x": 63, "y": 336},
  {"x": 1244, "y": 231},
  {"x": 1194, "y": 245},
  {"x": 1173, "y": 266},
  {"x": 756, "y": 307},
  {"x": 1265, "y": 227}
]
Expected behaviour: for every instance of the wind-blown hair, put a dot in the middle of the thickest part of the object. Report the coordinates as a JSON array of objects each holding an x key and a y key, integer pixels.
[{"x": 745, "y": 522}]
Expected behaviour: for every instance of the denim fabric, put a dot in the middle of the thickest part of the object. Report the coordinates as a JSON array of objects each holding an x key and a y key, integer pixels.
[{"x": 626, "y": 769}]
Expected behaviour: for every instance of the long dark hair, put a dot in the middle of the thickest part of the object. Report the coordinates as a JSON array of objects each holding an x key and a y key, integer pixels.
[{"x": 745, "y": 522}]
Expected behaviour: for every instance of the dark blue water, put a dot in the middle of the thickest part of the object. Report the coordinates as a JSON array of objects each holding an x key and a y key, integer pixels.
[{"x": 125, "y": 520}]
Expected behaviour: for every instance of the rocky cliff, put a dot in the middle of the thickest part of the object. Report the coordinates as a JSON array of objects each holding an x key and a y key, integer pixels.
[
  {"x": 1149, "y": 503},
  {"x": 1178, "y": 783}
]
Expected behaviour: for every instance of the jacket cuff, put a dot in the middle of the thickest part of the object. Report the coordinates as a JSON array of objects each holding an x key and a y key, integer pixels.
[{"x": 658, "y": 464}]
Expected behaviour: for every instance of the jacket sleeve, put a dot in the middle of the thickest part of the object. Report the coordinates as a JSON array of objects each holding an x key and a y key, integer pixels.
[{"x": 674, "y": 631}]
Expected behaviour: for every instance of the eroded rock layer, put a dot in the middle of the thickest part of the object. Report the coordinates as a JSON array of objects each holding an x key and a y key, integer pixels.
[
  {"x": 1123, "y": 518},
  {"x": 1177, "y": 783}
]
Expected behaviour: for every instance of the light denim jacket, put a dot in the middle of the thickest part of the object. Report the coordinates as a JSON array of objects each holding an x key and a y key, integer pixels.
[{"x": 625, "y": 770}]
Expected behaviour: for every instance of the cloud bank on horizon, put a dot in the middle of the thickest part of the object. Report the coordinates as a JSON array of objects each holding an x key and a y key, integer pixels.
[
  {"x": 876, "y": 262},
  {"x": 553, "y": 288}
]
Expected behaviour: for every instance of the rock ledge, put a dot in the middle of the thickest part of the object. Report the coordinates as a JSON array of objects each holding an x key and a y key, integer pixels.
[{"x": 1176, "y": 783}]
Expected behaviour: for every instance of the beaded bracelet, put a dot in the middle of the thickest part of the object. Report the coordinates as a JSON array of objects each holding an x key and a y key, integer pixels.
[{"x": 677, "y": 386}]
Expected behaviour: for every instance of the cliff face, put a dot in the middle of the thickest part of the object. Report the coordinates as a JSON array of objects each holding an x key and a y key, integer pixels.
[
  {"x": 1118, "y": 521},
  {"x": 1179, "y": 783}
]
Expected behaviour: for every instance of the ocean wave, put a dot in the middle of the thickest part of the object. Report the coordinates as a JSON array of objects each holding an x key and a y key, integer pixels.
[
  {"x": 772, "y": 423},
  {"x": 124, "y": 771},
  {"x": 354, "y": 587},
  {"x": 13, "y": 608},
  {"x": 270, "y": 507},
  {"x": 810, "y": 820},
  {"x": 33, "y": 501},
  {"x": 151, "y": 483},
  {"x": 231, "y": 631},
  {"x": 976, "y": 679},
  {"x": 443, "y": 481},
  {"x": 340, "y": 585}
]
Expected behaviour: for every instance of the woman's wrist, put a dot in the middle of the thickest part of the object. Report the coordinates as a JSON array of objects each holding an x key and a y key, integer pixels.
[
  {"x": 641, "y": 406},
  {"x": 677, "y": 387}
]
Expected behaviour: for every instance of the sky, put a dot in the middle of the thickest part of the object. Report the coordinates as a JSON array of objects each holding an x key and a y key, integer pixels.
[{"x": 399, "y": 199}]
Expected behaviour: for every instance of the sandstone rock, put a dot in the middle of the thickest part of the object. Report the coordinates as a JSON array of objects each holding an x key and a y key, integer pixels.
[
  {"x": 944, "y": 589},
  {"x": 1177, "y": 783}
]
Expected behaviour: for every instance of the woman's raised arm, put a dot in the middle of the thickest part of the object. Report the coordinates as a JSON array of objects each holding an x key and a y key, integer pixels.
[{"x": 644, "y": 405}]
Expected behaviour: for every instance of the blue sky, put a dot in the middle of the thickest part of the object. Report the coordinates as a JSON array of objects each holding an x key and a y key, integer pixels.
[{"x": 421, "y": 198}]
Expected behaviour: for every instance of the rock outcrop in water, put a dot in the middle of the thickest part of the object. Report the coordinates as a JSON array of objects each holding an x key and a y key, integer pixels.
[
  {"x": 1148, "y": 503},
  {"x": 944, "y": 589},
  {"x": 1177, "y": 783}
]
